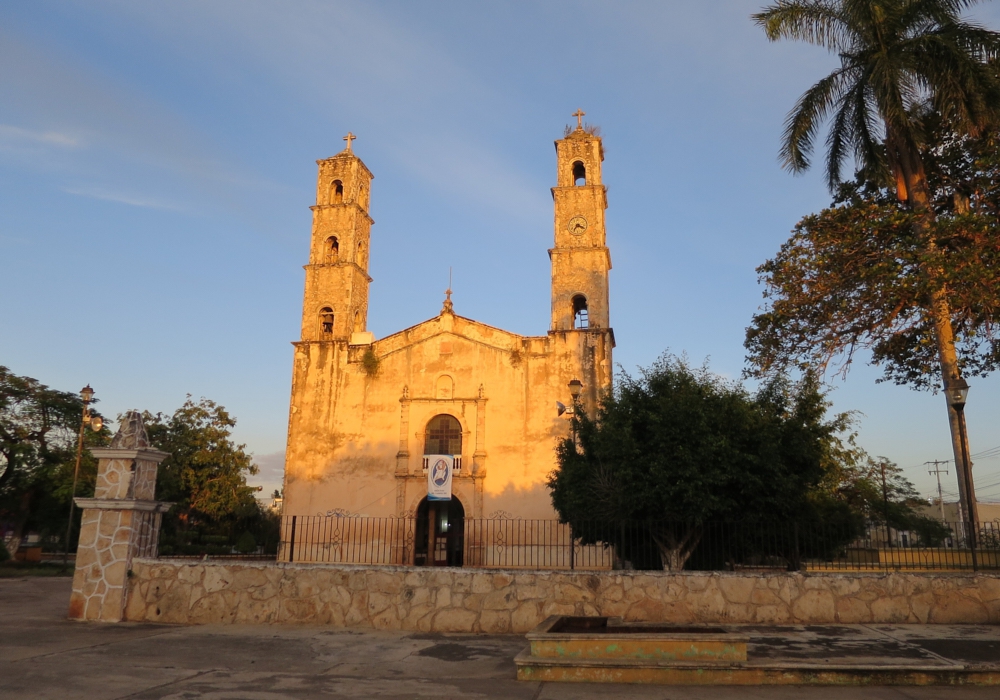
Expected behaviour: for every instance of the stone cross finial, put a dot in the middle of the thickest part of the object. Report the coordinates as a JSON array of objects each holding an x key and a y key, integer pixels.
[
  {"x": 579, "y": 114},
  {"x": 350, "y": 137},
  {"x": 448, "y": 306}
]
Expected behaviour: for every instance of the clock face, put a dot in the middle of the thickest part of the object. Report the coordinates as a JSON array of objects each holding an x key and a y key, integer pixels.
[{"x": 577, "y": 225}]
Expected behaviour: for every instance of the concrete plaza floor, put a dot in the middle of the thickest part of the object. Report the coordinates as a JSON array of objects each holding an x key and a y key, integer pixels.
[{"x": 42, "y": 655}]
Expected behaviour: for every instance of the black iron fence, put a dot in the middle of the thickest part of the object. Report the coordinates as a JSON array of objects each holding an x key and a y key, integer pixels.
[
  {"x": 147, "y": 530},
  {"x": 549, "y": 544}
]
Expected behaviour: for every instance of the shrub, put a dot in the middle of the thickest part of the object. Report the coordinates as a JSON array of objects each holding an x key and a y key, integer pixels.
[
  {"x": 246, "y": 544},
  {"x": 371, "y": 363}
]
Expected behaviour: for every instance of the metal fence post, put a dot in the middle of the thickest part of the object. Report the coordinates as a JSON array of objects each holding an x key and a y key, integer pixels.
[
  {"x": 291, "y": 543},
  {"x": 798, "y": 556},
  {"x": 572, "y": 549}
]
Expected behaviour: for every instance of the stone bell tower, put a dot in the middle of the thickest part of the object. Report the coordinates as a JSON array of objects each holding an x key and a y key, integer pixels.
[
  {"x": 580, "y": 258},
  {"x": 335, "y": 304}
]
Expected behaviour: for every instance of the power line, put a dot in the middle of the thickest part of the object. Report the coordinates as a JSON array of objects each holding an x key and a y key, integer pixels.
[{"x": 989, "y": 453}]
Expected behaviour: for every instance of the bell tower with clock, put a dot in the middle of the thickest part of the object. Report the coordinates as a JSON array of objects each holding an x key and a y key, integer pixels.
[
  {"x": 580, "y": 257},
  {"x": 335, "y": 305}
]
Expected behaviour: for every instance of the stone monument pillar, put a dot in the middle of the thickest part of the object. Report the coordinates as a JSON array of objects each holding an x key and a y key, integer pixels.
[{"x": 120, "y": 522}]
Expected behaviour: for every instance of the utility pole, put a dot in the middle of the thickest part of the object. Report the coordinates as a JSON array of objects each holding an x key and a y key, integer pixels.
[
  {"x": 937, "y": 471},
  {"x": 885, "y": 505}
]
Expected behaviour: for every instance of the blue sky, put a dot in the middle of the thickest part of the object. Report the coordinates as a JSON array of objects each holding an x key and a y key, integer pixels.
[{"x": 157, "y": 162}]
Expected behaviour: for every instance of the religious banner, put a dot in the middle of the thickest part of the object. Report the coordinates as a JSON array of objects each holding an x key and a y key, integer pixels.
[{"x": 439, "y": 468}]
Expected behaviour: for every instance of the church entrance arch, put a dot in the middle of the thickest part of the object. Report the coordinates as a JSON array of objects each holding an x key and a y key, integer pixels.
[{"x": 447, "y": 543}]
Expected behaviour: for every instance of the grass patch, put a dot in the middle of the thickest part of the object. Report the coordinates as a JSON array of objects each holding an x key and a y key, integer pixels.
[{"x": 20, "y": 569}]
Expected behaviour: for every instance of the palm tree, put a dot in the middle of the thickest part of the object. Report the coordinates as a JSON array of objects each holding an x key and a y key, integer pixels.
[{"x": 896, "y": 56}]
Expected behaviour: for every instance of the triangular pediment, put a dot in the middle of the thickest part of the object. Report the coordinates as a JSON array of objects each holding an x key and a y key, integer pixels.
[{"x": 457, "y": 327}]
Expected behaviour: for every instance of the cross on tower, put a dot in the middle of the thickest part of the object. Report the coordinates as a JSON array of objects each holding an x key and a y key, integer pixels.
[
  {"x": 579, "y": 114},
  {"x": 448, "y": 306},
  {"x": 350, "y": 137}
]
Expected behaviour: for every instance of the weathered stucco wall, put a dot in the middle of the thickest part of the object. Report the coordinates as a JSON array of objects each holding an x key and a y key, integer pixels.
[{"x": 477, "y": 600}]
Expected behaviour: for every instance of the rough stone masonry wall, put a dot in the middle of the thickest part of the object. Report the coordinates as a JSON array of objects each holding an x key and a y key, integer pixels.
[{"x": 477, "y": 600}]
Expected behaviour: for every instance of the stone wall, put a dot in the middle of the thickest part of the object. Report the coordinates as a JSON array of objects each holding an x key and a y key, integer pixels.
[{"x": 478, "y": 600}]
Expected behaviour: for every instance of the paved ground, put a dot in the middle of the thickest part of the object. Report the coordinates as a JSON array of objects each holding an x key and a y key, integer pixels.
[{"x": 42, "y": 656}]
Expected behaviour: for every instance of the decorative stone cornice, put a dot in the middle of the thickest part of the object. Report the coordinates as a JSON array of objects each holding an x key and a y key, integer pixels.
[
  {"x": 122, "y": 504},
  {"x": 145, "y": 454}
]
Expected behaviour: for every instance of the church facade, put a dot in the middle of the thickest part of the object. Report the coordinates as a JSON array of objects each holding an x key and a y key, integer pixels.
[{"x": 366, "y": 412}]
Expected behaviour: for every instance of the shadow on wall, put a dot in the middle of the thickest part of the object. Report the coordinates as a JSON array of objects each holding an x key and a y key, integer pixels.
[
  {"x": 366, "y": 460},
  {"x": 513, "y": 501}
]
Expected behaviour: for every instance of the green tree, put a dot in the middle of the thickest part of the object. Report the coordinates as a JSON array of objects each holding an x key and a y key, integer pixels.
[
  {"x": 877, "y": 490},
  {"x": 206, "y": 472},
  {"x": 677, "y": 447},
  {"x": 851, "y": 277},
  {"x": 38, "y": 430},
  {"x": 895, "y": 56}
]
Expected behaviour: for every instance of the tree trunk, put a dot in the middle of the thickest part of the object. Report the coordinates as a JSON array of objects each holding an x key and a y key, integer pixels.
[
  {"x": 912, "y": 168},
  {"x": 676, "y": 550},
  {"x": 24, "y": 510}
]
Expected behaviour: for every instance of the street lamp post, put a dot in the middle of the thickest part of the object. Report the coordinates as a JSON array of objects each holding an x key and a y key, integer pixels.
[
  {"x": 96, "y": 423},
  {"x": 575, "y": 388},
  {"x": 958, "y": 394}
]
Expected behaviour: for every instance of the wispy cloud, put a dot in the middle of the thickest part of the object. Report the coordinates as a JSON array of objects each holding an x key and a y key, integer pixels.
[
  {"x": 387, "y": 79},
  {"x": 16, "y": 135},
  {"x": 87, "y": 124},
  {"x": 112, "y": 196}
]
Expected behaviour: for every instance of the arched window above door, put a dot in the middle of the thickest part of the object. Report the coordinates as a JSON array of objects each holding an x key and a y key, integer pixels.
[{"x": 443, "y": 436}]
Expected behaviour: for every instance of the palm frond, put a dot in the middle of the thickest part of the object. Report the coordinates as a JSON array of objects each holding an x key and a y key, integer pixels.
[
  {"x": 937, "y": 11},
  {"x": 895, "y": 55},
  {"x": 815, "y": 21},
  {"x": 805, "y": 120},
  {"x": 867, "y": 134},
  {"x": 965, "y": 89},
  {"x": 837, "y": 144},
  {"x": 978, "y": 42}
]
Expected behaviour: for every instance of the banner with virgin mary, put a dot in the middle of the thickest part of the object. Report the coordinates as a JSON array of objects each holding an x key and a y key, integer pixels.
[{"x": 439, "y": 469}]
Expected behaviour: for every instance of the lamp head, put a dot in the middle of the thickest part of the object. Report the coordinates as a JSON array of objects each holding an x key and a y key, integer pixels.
[
  {"x": 958, "y": 392},
  {"x": 87, "y": 393},
  {"x": 575, "y": 387},
  {"x": 96, "y": 423}
]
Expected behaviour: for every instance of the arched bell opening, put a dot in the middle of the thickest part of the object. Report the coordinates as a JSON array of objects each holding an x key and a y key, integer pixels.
[
  {"x": 326, "y": 322},
  {"x": 581, "y": 314},
  {"x": 447, "y": 544}
]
